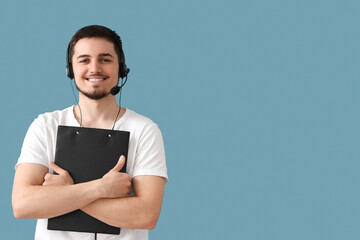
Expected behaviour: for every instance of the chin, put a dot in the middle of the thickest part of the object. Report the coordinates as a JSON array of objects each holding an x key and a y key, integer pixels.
[{"x": 95, "y": 95}]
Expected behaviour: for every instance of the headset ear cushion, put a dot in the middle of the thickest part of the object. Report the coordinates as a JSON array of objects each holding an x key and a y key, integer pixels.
[
  {"x": 69, "y": 71},
  {"x": 123, "y": 70}
]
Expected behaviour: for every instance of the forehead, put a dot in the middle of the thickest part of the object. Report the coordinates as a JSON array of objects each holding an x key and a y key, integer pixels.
[{"x": 93, "y": 47}]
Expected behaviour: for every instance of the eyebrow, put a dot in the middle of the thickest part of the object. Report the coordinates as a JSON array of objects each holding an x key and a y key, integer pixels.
[
  {"x": 83, "y": 55},
  {"x": 100, "y": 55},
  {"x": 105, "y": 55}
]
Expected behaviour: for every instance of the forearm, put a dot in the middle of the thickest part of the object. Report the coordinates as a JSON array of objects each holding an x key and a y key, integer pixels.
[
  {"x": 141, "y": 212},
  {"x": 36, "y": 201},
  {"x": 130, "y": 212}
]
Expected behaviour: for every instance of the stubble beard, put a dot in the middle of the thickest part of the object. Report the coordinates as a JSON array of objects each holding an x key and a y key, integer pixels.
[{"x": 96, "y": 94}]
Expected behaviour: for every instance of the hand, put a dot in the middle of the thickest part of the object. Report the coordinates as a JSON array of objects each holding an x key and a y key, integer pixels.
[
  {"x": 116, "y": 184},
  {"x": 62, "y": 179}
]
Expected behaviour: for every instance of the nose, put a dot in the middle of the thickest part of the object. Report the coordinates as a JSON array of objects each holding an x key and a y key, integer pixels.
[{"x": 95, "y": 67}]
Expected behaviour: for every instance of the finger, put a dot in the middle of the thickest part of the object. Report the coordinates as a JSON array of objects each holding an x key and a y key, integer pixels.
[
  {"x": 56, "y": 168},
  {"x": 47, "y": 176},
  {"x": 119, "y": 164},
  {"x": 46, "y": 179}
]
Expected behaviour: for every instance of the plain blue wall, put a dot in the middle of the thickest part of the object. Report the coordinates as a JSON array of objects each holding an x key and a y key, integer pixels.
[{"x": 258, "y": 103}]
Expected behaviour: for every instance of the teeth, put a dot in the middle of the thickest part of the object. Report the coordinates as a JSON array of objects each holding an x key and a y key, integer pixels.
[{"x": 96, "y": 79}]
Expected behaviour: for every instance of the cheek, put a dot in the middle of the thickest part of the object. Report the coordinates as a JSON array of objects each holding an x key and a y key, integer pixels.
[
  {"x": 79, "y": 72},
  {"x": 113, "y": 70}
]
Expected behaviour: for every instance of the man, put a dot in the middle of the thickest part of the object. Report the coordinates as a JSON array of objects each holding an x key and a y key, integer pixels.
[{"x": 131, "y": 200}]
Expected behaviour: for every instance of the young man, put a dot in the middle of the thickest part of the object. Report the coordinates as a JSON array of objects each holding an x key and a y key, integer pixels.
[{"x": 131, "y": 200}]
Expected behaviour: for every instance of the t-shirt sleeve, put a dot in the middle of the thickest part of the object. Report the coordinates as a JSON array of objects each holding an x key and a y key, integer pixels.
[
  {"x": 150, "y": 154},
  {"x": 34, "y": 148}
]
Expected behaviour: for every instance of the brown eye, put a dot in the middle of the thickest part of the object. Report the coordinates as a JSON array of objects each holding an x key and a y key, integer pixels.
[{"x": 105, "y": 60}]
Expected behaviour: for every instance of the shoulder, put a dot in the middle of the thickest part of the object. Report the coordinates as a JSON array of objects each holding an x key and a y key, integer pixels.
[
  {"x": 133, "y": 119},
  {"x": 139, "y": 126},
  {"x": 55, "y": 118},
  {"x": 55, "y": 115},
  {"x": 40, "y": 139}
]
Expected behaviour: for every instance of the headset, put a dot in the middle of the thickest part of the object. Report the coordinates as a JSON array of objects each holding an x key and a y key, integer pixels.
[{"x": 123, "y": 70}]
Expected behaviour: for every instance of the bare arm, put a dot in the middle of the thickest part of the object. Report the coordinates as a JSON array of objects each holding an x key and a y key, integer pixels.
[
  {"x": 34, "y": 198},
  {"x": 140, "y": 212}
]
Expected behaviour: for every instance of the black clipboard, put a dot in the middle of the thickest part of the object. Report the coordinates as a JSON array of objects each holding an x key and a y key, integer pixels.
[{"x": 87, "y": 154}]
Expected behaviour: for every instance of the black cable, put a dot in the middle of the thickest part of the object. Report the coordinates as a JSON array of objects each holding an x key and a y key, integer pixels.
[
  {"x": 116, "y": 118},
  {"x": 77, "y": 102},
  {"x": 121, "y": 84}
]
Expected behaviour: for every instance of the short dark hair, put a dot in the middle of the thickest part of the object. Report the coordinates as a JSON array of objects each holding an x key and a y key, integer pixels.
[
  {"x": 101, "y": 32},
  {"x": 97, "y": 31}
]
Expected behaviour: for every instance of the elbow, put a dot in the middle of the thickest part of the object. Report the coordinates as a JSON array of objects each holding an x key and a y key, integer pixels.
[
  {"x": 149, "y": 222},
  {"x": 17, "y": 202},
  {"x": 20, "y": 209},
  {"x": 149, "y": 225},
  {"x": 143, "y": 221},
  {"x": 19, "y": 213}
]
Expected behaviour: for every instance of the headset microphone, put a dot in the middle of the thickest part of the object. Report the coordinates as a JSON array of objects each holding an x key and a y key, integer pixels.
[
  {"x": 123, "y": 70},
  {"x": 115, "y": 90}
]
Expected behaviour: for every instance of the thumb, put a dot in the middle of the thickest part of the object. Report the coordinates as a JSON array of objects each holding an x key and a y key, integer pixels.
[
  {"x": 56, "y": 168},
  {"x": 119, "y": 164}
]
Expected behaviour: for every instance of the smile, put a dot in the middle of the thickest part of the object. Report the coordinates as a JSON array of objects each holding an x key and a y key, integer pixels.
[{"x": 95, "y": 79}]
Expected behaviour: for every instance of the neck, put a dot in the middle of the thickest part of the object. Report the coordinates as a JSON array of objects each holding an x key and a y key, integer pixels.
[{"x": 97, "y": 113}]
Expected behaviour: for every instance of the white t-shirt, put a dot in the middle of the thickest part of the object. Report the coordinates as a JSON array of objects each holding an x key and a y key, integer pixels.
[{"x": 146, "y": 156}]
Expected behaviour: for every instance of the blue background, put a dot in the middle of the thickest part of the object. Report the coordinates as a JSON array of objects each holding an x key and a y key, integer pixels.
[{"x": 258, "y": 103}]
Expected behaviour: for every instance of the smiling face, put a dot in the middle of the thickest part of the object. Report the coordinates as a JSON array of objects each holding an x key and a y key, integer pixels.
[{"x": 96, "y": 67}]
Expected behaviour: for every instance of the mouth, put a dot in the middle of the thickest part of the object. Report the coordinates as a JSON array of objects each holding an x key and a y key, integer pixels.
[{"x": 96, "y": 78}]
